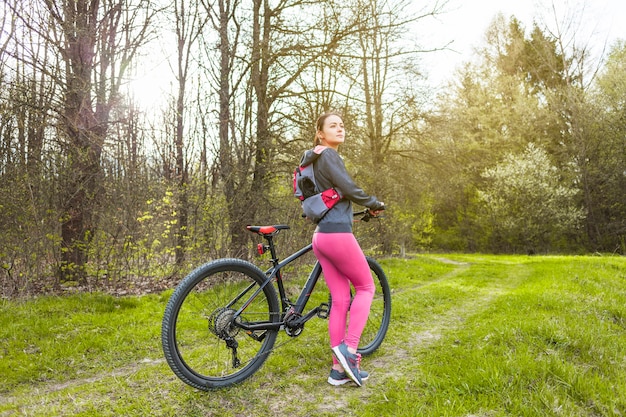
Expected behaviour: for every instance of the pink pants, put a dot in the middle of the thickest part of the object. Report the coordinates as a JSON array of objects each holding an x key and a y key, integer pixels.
[{"x": 343, "y": 263}]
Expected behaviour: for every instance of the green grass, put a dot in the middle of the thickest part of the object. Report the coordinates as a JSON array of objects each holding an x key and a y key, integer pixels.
[{"x": 471, "y": 335}]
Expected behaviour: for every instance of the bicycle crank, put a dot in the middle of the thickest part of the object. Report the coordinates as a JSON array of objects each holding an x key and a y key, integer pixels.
[{"x": 293, "y": 323}]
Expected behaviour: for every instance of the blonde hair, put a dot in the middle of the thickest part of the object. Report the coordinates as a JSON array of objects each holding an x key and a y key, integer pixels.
[{"x": 319, "y": 125}]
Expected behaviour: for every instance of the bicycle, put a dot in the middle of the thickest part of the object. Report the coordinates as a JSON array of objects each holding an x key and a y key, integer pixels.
[{"x": 222, "y": 320}]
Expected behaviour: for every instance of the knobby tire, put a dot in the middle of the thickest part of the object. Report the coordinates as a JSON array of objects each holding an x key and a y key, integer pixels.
[
  {"x": 380, "y": 312},
  {"x": 198, "y": 313}
]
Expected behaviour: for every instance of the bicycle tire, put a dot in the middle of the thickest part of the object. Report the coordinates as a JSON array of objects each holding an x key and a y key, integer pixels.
[
  {"x": 197, "y": 314},
  {"x": 380, "y": 312}
]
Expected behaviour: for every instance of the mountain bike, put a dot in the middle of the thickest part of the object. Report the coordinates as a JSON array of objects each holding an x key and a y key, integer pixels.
[{"x": 222, "y": 320}]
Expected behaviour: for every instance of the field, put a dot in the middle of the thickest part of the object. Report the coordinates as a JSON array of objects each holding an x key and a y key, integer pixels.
[{"x": 471, "y": 336}]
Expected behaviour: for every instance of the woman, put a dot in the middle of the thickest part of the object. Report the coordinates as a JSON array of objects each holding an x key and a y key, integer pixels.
[{"x": 339, "y": 253}]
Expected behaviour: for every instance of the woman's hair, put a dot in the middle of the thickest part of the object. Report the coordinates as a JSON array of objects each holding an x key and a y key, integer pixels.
[{"x": 319, "y": 125}]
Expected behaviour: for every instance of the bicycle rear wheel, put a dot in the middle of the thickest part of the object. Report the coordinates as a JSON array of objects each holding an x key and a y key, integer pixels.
[
  {"x": 380, "y": 312},
  {"x": 201, "y": 339}
]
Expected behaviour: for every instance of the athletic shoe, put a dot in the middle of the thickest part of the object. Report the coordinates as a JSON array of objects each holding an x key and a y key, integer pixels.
[
  {"x": 349, "y": 361},
  {"x": 337, "y": 378}
]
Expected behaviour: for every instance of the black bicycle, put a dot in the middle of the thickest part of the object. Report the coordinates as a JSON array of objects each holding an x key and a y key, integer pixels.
[{"x": 222, "y": 320}]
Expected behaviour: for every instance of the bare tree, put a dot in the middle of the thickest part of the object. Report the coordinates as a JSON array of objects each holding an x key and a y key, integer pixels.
[
  {"x": 388, "y": 69},
  {"x": 225, "y": 22},
  {"x": 26, "y": 99},
  {"x": 95, "y": 41},
  {"x": 382, "y": 69},
  {"x": 190, "y": 23},
  {"x": 255, "y": 73}
]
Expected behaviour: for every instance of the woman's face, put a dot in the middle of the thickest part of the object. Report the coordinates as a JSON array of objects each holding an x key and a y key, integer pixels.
[{"x": 333, "y": 133}]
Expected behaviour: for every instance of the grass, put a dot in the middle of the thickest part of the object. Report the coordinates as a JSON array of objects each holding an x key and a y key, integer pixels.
[{"x": 471, "y": 335}]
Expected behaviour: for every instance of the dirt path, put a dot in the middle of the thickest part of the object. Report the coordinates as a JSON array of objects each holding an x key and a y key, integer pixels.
[
  {"x": 430, "y": 332},
  {"x": 44, "y": 390}
]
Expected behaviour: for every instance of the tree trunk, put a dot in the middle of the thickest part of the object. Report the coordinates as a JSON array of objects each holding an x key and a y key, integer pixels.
[
  {"x": 227, "y": 171},
  {"x": 83, "y": 138},
  {"x": 182, "y": 176},
  {"x": 96, "y": 48}
]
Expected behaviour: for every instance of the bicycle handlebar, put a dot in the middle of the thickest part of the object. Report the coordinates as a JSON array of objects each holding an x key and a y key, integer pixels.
[{"x": 367, "y": 214}]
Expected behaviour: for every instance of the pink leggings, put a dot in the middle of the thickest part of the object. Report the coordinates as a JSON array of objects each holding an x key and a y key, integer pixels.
[{"x": 343, "y": 262}]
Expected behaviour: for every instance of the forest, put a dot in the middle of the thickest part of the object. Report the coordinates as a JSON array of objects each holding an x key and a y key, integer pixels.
[{"x": 522, "y": 152}]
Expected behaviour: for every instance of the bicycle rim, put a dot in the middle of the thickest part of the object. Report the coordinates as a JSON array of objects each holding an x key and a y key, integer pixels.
[
  {"x": 380, "y": 312},
  {"x": 198, "y": 331}
]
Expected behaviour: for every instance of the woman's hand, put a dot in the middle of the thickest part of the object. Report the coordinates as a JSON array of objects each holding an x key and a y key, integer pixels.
[{"x": 375, "y": 212}]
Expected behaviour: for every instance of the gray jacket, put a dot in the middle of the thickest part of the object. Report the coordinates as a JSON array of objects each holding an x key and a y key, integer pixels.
[{"x": 330, "y": 171}]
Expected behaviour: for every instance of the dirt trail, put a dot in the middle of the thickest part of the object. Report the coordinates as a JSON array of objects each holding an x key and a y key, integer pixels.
[
  {"x": 123, "y": 372},
  {"x": 390, "y": 366}
]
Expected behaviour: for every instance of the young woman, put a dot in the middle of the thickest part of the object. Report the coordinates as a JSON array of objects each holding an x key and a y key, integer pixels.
[{"x": 342, "y": 260}]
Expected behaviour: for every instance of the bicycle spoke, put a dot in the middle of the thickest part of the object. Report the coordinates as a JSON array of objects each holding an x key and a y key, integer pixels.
[
  {"x": 197, "y": 327},
  {"x": 203, "y": 343}
]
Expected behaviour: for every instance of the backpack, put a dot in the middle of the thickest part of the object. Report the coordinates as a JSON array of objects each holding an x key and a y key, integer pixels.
[{"x": 315, "y": 204}]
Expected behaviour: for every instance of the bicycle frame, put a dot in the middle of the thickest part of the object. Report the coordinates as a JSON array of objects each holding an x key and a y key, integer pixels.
[
  {"x": 286, "y": 305},
  {"x": 275, "y": 273}
]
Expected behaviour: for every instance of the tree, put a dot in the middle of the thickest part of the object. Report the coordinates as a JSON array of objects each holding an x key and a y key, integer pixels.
[
  {"x": 27, "y": 97},
  {"x": 255, "y": 76},
  {"x": 378, "y": 64},
  {"x": 95, "y": 40},
  {"x": 577, "y": 141},
  {"x": 524, "y": 90},
  {"x": 527, "y": 207},
  {"x": 190, "y": 23},
  {"x": 607, "y": 156}
]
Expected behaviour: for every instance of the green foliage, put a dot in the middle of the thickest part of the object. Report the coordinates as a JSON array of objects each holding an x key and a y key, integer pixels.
[
  {"x": 143, "y": 247},
  {"x": 30, "y": 236},
  {"x": 526, "y": 204},
  {"x": 536, "y": 59},
  {"x": 147, "y": 251},
  {"x": 606, "y": 155},
  {"x": 528, "y": 89}
]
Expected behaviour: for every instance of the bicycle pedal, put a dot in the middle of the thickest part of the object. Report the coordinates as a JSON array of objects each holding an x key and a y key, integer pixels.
[{"x": 323, "y": 311}]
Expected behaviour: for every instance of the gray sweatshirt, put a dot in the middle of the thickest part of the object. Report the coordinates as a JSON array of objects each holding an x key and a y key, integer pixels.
[{"x": 330, "y": 171}]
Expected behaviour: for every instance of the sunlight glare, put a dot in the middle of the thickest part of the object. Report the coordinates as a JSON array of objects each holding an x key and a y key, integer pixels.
[{"x": 149, "y": 90}]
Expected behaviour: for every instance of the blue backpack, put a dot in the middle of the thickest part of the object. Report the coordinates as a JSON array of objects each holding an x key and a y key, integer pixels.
[{"x": 315, "y": 203}]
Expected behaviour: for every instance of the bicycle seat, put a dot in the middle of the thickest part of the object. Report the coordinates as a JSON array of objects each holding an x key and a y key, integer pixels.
[{"x": 267, "y": 230}]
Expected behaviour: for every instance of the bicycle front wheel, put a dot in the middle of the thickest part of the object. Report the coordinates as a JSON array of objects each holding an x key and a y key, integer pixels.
[
  {"x": 201, "y": 335},
  {"x": 380, "y": 312}
]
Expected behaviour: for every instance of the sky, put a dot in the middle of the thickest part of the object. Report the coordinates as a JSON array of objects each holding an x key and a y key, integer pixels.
[
  {"x": 599, "y": 22},
  {"x": 464, "y": 23}
]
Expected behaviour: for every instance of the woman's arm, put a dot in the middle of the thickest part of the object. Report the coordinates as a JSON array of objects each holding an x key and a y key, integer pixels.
[{"x": 333, "y": 173}]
